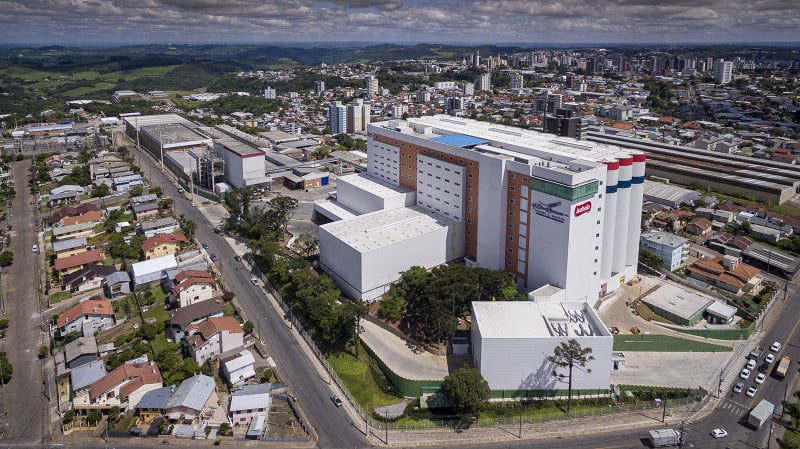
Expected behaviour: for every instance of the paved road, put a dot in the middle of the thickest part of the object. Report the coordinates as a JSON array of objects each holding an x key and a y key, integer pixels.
[
  {"x": 25, "y": 405},
  {"x": 334, "y": 428}
]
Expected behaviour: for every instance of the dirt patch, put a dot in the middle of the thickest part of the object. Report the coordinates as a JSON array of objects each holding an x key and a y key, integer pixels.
[
  {"x": 283, "y": 422},
  {"x": 109, "y": 335}
]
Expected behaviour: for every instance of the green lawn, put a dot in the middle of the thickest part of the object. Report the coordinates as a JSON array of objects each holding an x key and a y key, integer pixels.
[
  {"x": 663, "y": 343},
  {"x": 59, "y": 296},
  {"x": 363, "y": 379}
]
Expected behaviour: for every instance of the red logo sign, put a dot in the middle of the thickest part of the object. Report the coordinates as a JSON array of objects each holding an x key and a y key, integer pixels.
[{"x": 581, "y": 209}]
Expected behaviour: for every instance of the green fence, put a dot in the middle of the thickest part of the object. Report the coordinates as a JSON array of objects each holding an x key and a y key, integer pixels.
[
  {"x": 406, "y": 387},
  {"x": 720, "y": 334}
]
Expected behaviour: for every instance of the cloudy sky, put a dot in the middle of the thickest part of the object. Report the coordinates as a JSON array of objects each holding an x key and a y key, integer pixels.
[{"x": 402, "y": 21}]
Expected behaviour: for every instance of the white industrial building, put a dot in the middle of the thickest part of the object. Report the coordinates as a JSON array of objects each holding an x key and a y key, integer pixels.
[
  {"x": 512, "y": 340},
  {"x": 549, "y": 210},
  {"x": 244, "y": 165}
]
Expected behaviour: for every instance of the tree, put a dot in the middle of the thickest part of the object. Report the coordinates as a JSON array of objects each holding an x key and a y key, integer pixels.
[
  {"x": 306, "y": 245},
  {"x": 101, "y": 191},
  {"x": 467, "y": 390},
  {"x": 6, "y": 368},
  {"x": 321, "y": 152},
  {"x": 247, "y": 327},
  {"x": 229, "y": 309},
  {"x": 570, "y": 355},
  {"x": 136, "y": 191},
  {"x": 93, "y": 417},
  {"x": 6, "y": 258},
  {"x": 188, "y": 228},
  {"x": 284, "y": 207}
]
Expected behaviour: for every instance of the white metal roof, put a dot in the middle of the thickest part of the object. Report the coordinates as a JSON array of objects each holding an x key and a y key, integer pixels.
[
  {"x": 535, "y": 319},
  {"x": 384, "y": 228},
  {"x": 153, "y": 265},
  {"x": 243, "y": 359},
  {"x": 251, "y": 397},
  {"x": 371, "y": 185}
]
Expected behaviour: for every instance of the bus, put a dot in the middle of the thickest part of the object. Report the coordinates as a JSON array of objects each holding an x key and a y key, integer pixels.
[{"x": 783, "y": 367}]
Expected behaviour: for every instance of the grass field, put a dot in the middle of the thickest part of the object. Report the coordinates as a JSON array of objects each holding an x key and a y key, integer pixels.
[
  {"x": 663, "y": 343},
  {"x": 362, "y": 377}
]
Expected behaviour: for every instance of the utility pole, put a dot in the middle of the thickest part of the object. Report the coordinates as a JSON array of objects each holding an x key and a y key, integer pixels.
[
  {"x": 386, "y": 425},
  {"x": 520, "y": 418}
]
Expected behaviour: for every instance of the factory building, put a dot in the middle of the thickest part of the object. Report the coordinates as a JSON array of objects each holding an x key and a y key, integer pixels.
[{"x": 551, "y": 211}]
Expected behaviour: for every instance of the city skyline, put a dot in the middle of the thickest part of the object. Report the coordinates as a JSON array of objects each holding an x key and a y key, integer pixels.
[{"x": 114, "y": 22}]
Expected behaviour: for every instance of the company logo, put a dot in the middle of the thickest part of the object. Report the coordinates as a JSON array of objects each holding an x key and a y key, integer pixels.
[
  {"x": 548, "y": 210},
  {"x": 581, "y": 209}
]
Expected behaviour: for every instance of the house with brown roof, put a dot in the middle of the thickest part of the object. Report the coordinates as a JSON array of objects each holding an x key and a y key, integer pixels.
[
  {"x": 86, "y": 278},
  {"x": 180, "y": 319},
  {"x": 93, "y": 217},
  {"x": 698, "y": 226},
  {"x": 212, "y": 337},
  {"x": 161, "y": 245},
  {"x": 191, "y": 286},
  {"x": 729, "y": 244},
  {"x": 66, "y": 265},
  {"x": 71, "y": 211},
  {"x": 86, "y": 317},
  {"x": 122, "y": 387},
  {"x": 727, "y": 273}
]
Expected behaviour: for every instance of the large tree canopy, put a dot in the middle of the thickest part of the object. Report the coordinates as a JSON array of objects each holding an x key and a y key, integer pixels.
[{"x": 467, "y": 390}]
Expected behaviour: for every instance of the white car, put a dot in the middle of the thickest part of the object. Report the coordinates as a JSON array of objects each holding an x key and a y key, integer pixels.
[
  {"x": 254, "y": 281},
  {"x": 751, "y": 364},
  {"x": 751, "y": 392},
  {"x": 745, "y": 374},
  {"x": 738, "y": 388},
  {"x": 35, "y": 249},
  {"x": 769, "y": 358},
  {"x": 775, "y": 347},
  {"x": 760, "y": 378},
  {"x": 719, "y": 433}
]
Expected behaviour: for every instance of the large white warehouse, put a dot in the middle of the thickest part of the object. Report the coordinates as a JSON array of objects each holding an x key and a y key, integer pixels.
[
  {"x": 549, "y": 210},
  {"x": 512, "y": 340}
]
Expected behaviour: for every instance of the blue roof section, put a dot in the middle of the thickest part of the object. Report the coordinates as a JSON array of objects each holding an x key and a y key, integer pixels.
[
  {"x": 460, "y": 140},
  {"x": 156, "y": 399},
  {"x": 193, "y": 393},
  {"x": 86, "y": 375}
]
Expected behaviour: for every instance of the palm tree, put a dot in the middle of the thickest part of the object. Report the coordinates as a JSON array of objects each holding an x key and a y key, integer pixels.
[{"x": 570, "y": 354}]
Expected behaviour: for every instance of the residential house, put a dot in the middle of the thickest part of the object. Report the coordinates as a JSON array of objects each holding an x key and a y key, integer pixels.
[
  {"x": 191, "y": 286},
  {"x": 212, "y": 337},
  {"x": 87, "y": 278},
  {"x": 193, "y": 400},
  {"x": 165, "y": 225},
  {"x": 82, "y": 377},
  {"x": 729, "y": 244},
  {"x": 180, "y": 319},
  {"x": 70, "y": 264},
  {"x": 94, "y": 217},
  {"x": 69, "y": 247},
  {"x": 73, "y": 231},
  {"x": 143, "y": 210},
  {"x": 122, "y": 387},
  {"x": 154, "y": 403},
  {"x": 86, "y": 317},
  {"x": 698, "y": 226},
  {"x": 141, "y": 199},
  {"x": 63, "y": 195},
  {"x": 162, "y": 244},
  {"x": 671, "y": 248},
  {"x": 117, "y": 284},
  {"x": 80, "y": 351},
  {"x": 71, "y": 211},
  {"x": 727, "y": 273},
  {"x": 152, "y": 270},
  {"x": 126, "y": 182},
  {"x": 248, "y": 403},
  {"x": 239, "y": 367}
]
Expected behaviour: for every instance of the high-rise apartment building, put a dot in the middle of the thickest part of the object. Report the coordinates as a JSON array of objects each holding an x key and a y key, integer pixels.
[
  {"x": 723, "y": 71},
  {"x": 468, "y": 89},
  {"x": 319, "y": 88},
  {"x": 554, "y": 212},
  {"x": 517, "y": 81},
  {"x": 484, "y": 82},
  {"x": 358, "y": 116},
  {"x": 270, "y": 94},
  {"x": 337, "y": 118},
  {"x": 372, "y": 86},
  {"x": 423, "y": 96}
]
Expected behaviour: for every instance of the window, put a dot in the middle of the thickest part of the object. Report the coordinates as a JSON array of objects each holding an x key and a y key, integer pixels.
[
  {"x": 470, "y": 163},
  {"x": 509, "y": 252},
  {"x": 512, "y": 201},
  {"x": 510, "y": 238},
  {"x": 511, "y": 213},
  {"x": 511, "y": 226},
  {"x": 513, "y": 176},
  {"x": 513, "y": 189},
  {"x": 598, "y": 221}
]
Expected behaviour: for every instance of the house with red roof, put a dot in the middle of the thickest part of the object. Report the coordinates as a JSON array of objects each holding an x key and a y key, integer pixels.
[
  {"x": 86, "y": 317},
  {"x": 191, "y": 286},
  {"x": 727, "y": 273},
  {"x": 66, "y": 265},
  {"x": 162, "y": 245},
  {"x": 208, "y": 339},
  {"x": 122, "y": 387},
  {"x": 93, "y": 217}
]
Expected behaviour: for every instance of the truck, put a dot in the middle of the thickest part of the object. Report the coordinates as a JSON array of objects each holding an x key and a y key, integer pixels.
[
  {"x": 783, "y": 367},
  {"x": 665, "y": 437},
  {"x": 760, "y": 414},
  {"x": 756, "y": 353}
]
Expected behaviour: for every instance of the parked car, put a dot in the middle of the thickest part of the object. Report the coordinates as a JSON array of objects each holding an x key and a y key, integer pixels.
[
  {"x": 745, "y": 374},
  {"x": 336, "y": 401},
  {"x": 751, "y": 392},
  {"x": 35, "y": 249},
  {"x": 205, "y": 245},
  {"x": 254, "y": 281},
  {"x": 763, "y": 368},
  {"x": 769, "y": 358},
  {"x": 237, "y": 258},
  {"x": 775, "y": 346},
  {"x": 760, "y": 378},
  {"x": 213, "y": 257},
  {"x": 738, "y": 388},
  {"x": 751, "y": 364},
  {"x": 719, "y": 433}
]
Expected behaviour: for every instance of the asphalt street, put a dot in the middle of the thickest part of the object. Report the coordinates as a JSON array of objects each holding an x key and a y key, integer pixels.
[
  {"x": 333, "y": 427},
  {"x": 25, "y": 404}
]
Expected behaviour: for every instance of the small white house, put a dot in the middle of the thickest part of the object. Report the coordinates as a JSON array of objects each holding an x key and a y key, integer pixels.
[
  {"x": 249, "y": 403},
  {"x": 239, "y": 368},
  {"x": 152, "y": 270}
]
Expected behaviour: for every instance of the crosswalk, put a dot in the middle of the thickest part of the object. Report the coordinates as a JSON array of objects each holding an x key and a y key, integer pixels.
[{"x": 732, "y": 407}]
